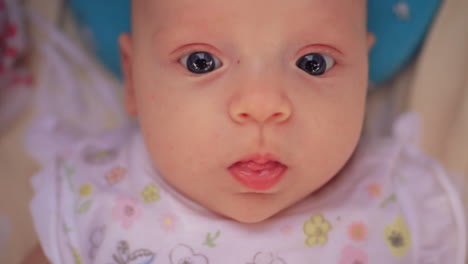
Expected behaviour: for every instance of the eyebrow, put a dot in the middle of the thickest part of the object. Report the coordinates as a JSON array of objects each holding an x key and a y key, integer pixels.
[{"x": 180, "y": 31}]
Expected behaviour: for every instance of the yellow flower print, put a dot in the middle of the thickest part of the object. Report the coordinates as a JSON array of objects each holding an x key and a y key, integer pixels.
[
  {"x": 398, "y": 237},
  {"x": 150, "y": 194},
  {"x": 86, "y": 190},
  {"x": 76, "y": 256},
  {"x": 316, "y": 229}
]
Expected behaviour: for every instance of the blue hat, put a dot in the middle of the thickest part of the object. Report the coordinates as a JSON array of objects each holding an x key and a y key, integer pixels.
[{"x": 398, "y": 25}]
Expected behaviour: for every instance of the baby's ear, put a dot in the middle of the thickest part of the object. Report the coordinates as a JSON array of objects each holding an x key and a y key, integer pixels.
[
  {"x": 125, "y": 44},
  {"x": 370, "y": 40}
]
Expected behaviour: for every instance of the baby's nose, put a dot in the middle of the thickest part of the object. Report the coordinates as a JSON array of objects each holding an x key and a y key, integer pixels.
[{"x": 261, "y": 105}]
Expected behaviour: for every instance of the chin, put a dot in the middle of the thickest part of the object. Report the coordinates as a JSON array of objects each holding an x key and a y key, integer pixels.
[
  {"x": 250, "y": 213},
  {"x": 250, "y": 218}
]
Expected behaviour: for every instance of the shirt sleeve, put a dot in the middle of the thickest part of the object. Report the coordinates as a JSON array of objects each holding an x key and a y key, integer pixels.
[
  {"x": 45, "y": 212},
  {"x": 432, "y": 205}
]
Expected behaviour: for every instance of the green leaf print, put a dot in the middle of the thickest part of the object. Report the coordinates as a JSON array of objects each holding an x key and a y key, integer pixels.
[
  {"x": 210, "y": 240},
  {"x": 391, "y": 198},
  {"x": 69, "y": 171},
  {"x": 66, "y": 229},
  {"x": 84, "y": 207}
]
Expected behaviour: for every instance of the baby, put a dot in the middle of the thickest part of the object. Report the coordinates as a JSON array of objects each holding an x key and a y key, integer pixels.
[{"x": 250, "y": 113}]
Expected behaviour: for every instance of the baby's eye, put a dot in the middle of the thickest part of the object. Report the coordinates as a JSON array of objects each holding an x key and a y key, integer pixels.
[
  {"x": 315, "y": 63},
  {"x": 200, "y": 62}
]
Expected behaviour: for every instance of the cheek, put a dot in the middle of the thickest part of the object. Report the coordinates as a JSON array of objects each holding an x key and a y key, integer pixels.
[
  {"x": 180, "y": 130},
  {"x": 325, "y": 152},
  {"x": 330, "y": 126}
]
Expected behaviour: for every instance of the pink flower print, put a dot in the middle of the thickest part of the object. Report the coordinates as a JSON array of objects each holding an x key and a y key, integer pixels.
[
  {"x": 116, "y": 175},
  {"x": 168, "y": 222},
  {"x": 357, "y": 231},
  {"x": 374, "y": 190},
  {"x": 126, "y": 211},
  {"x": 352, "y": 255}
]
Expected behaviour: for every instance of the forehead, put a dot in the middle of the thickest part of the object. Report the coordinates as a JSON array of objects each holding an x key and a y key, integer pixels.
[{"x": 164, "y": 14}]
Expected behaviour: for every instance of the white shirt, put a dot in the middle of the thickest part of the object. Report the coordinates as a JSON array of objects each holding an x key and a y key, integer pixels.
[{"x": 101, "y": 202}]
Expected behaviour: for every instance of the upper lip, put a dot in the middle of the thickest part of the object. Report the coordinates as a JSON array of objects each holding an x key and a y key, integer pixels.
[{"x": 259, "y": 158}]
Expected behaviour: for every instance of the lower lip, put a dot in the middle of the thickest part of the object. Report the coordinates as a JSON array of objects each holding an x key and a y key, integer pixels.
[{"x": 259, "y": 180}]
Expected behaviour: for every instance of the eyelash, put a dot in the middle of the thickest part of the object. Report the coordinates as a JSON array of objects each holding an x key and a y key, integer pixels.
[{"x": 195, "y": 48}]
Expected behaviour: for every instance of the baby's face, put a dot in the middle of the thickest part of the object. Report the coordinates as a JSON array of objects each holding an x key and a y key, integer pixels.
[{"x": 247, "y": 106}]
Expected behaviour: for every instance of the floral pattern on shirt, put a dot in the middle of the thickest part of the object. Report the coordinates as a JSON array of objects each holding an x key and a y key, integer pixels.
[
  {"x": 127, "y": 211},
  {"x": 374, "y": 190},
  {"x": 115, "y": 175},
  {"x": 150, "y": 193},
  {"x": 83, "y": 204},
  {"x": 95, "y": 240},
  {"x": 316, "y": 230},
  {"x": 95, "y": 156},
  {"x": 168, "y": 222},
  {"x": 76, "y": 256},
  {"x": 357, "y": 231},
  {"x": 353, "y": 255},
  {"x": 125, "y": 256},
  {"x": 86, "y": 190},
  {"x": 267, "y": 258},
  {"x": 182, "y": 254},
  {"x": 398, "y": 237}
]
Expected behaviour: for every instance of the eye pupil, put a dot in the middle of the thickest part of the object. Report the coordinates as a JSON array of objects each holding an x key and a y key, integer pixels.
[
  {"x": 200, "y": 62},
  {"x": 313, "y": 64}
]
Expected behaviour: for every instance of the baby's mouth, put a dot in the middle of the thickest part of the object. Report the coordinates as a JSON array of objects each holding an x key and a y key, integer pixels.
[{"x": 259, "y": 173}]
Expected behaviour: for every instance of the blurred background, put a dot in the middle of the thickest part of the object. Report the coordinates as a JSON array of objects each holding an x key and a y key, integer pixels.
[{"x": 61, "y": 57}]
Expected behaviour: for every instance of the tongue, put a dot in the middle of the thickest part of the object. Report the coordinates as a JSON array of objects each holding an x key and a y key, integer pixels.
[
  {"x": 258, "y": 176},
  {"x": 257, "y": 167}
]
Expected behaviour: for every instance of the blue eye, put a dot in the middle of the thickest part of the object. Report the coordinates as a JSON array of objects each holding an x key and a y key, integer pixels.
[
  {"x": 315, "y": 63},
  {"x": 200, "y": 62}
]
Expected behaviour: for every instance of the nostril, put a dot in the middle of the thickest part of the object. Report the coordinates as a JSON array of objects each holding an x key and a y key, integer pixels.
[
  {"x": 277, "y": 114},
  {"x": 245, "y": 115}
]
